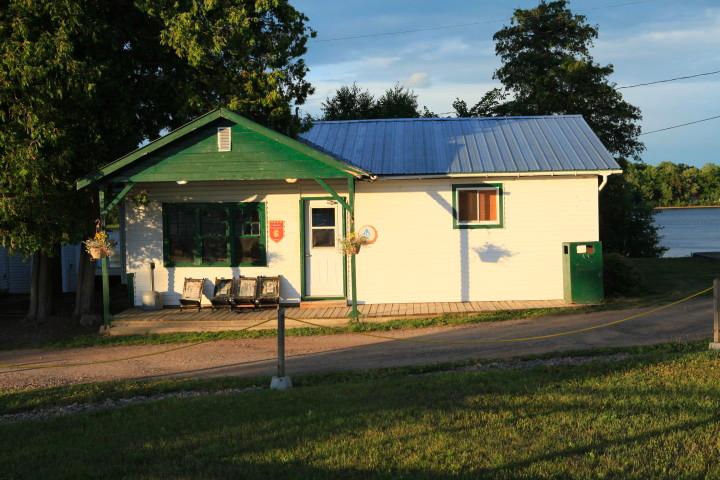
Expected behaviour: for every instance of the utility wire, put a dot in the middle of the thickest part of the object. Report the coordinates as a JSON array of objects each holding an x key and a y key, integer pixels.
[
  {"x": 668, "y": 80},
  {"x": 681, "y": 125},
  {"x": 401, "y": 32}
]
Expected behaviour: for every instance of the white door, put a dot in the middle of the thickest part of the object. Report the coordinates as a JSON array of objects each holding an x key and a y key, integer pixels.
[{"x": 323, "y": 261}]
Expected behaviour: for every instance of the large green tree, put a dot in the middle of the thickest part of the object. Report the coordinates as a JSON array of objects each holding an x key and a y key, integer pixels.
[
  {"x": 547, "y": 69},
  {"x": 83, "y": 82}
]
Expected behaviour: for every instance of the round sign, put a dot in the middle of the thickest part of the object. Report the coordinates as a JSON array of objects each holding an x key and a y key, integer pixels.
[{"x": 369, "y": 232}]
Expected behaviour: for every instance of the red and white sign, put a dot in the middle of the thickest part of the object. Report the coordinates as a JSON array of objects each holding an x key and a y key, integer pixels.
[
  {"x": 277, "y": 230},
  {"x": 369, "y": 232}
]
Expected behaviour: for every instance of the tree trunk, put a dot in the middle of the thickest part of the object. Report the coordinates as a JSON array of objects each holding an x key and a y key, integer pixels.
[
  {"x": 44, "y": 289},
  {"x": 34, "y": 279},
  {"x": 85, "y": 295}
]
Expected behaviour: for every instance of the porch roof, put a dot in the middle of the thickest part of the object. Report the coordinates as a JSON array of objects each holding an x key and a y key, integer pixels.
[{"x": 191, "y": 153}]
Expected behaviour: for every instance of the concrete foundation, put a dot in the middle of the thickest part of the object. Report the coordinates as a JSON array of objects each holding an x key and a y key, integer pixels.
[{"x": 280, "y": 383}]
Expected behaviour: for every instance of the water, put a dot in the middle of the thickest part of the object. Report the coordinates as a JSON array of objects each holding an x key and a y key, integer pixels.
[{"x": 688, "y": 230}]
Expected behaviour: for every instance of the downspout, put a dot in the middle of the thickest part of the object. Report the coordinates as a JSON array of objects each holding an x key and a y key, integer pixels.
[{"x": 604, "y": 181}]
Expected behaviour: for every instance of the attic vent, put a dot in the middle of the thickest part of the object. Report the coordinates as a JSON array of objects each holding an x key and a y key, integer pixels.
[{"x": 224, "y": 139}]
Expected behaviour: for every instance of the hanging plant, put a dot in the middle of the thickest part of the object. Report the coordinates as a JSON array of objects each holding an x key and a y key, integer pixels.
[
  {"x": 351, "y": 244},
  {"x": 100, "y": 245}
]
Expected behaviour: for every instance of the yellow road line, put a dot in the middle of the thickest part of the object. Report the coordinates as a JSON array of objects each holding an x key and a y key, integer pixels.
[{"x": 539, "y": 337}]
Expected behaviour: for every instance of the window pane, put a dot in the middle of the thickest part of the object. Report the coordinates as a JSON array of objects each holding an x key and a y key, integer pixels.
[
  {"x": 323, "y": 237},
  {"x": 468, "y": 205},
  {"x": 214, "y": 250},
  {"x": 488, "y": 205},
  {"x": 323, "y": 217},
  {"x": 181, "y": 222},
  {"x": 181, "y": 250},
  {"x": 247, "y": 221},
  {"x": 248, "y": 250},
  {"x": 214, "y": 222}
]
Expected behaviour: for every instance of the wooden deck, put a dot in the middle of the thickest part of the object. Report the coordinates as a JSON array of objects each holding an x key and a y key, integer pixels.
[{"x": 172, "y": 320}]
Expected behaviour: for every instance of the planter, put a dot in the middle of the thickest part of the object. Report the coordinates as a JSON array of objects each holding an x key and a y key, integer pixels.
[
  {"x": 97, "y": 253},
  {"x": 352, "y": 249}
]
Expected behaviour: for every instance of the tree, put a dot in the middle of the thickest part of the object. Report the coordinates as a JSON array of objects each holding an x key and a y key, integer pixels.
[
  {"x": 84, "y": 82},
  {"x": 354, "y": 103},
  {"x": 547, "y": 69}
]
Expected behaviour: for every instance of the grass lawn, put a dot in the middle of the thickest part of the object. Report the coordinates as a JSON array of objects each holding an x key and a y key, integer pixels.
[{"x": 654, "y": 415}]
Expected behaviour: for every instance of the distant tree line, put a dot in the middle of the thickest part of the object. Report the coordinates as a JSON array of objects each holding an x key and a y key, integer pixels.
[{"x": 675, "y": 185}]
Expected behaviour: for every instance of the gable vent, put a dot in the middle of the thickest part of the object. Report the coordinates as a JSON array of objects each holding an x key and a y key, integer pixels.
[{"x": 224, "y": 139}]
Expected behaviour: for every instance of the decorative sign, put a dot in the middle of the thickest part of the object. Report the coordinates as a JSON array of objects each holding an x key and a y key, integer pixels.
[
  {"x": 277, "y": 230},
  {"x": 368, "y": 231}
]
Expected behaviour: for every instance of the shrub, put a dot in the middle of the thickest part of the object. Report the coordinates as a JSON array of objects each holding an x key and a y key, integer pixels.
[{"x": 620, "y": 275}]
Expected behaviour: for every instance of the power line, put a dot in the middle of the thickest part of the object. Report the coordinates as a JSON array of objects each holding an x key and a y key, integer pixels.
[
  {"x": 668, "y": 80},
  {"x": 461, "y": 25},
  {"x": 681, "y": 125}
]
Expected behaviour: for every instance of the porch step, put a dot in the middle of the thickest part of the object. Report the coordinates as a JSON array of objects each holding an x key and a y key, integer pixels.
[{"x": 323, "y": 304}]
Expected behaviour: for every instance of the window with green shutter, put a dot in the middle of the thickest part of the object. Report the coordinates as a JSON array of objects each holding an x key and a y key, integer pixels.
[{"x": 214, "y": 234}]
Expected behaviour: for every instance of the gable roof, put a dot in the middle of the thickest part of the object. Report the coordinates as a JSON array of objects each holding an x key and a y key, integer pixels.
[
  {"x": 258, "y": 153},
  {"x": 432, "y": 146}
]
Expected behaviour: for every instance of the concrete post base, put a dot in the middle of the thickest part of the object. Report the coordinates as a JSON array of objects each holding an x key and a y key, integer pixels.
[
  {"x": 714, "y": 346},
  {"x": 280, "y": 383}
]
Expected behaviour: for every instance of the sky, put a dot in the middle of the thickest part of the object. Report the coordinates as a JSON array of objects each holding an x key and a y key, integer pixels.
[{"x": 645, "y": 41}]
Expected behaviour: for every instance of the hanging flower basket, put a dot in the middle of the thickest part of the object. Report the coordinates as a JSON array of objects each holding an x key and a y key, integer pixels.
[
  {"x": 351, "y": 244},
  {"x": 100, "y": 246}
]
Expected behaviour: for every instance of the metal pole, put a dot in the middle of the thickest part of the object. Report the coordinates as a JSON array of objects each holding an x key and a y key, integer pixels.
[
  {"x": 281, "y": 382},
  {"x": 715, "y": 345},
  {"x": 281, "y": 341},
  {"x": 716, "y": 294}
]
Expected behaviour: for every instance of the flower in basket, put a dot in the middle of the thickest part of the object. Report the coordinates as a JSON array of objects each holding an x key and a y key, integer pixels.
[
  {"x": 100, "y": 245},
  {"x": 351, "y": 244}
]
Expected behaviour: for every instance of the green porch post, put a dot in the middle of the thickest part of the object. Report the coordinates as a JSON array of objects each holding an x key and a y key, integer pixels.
[
  {"x": 354, "y": 312},
  {"x": 105, "y": 270}
]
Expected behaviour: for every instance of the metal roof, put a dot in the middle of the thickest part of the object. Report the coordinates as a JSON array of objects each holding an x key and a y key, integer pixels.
[{"x": 417, "y": 146}]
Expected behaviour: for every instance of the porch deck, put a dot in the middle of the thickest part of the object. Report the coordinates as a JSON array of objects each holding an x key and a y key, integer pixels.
[{"x": 172, "y": 320}]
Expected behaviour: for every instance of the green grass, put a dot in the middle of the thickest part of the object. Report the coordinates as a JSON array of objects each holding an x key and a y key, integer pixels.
[{"x": 655, "y": 415}]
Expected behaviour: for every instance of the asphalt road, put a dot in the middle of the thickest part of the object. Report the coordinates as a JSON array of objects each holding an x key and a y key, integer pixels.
[{"x": 692, "y": 320}]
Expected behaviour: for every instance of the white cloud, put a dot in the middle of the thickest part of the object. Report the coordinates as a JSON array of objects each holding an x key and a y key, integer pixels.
[{"x": 418, "y": 80}]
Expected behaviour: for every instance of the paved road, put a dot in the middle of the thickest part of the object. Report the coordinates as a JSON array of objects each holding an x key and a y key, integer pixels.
[{"x": 692, "y": 320}]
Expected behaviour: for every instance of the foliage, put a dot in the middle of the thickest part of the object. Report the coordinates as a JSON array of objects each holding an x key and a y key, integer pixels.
[
  {"x": 101, "y": 241},
  {"x": 354, "y": 103},
  {"x": 650, "y": 416},
  {"x": 547, "y": 69},
  {"x": 674, "y": 185},
  {"x": 352, "y": 242},
  {"x": 620, "y": 275},
  {"x": 84, "y": 82}
]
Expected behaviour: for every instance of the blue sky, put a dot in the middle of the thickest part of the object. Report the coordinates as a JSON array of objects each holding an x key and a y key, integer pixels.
[{"x": 648, "y": 41}]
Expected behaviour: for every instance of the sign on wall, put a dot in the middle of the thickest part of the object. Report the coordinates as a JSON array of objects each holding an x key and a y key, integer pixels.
[
  {"x": 368, "y": 231},
  {"x": 277, "y": 230}
]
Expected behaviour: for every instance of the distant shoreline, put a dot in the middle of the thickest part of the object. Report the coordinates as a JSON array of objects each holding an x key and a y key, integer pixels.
[{"x": 694, "y": 206}]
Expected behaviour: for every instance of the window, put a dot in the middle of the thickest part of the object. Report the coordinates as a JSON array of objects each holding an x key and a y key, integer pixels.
[
  {"x": 477, "y": 206},
  {"x": 224, "y": 139},
  {"x": 214, "y": 234}
]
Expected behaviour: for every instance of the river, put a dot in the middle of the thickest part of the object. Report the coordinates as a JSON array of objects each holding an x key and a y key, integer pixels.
[{"x": 688, "y": 230}]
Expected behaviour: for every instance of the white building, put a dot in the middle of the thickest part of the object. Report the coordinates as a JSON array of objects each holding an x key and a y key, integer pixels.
[{"x": 464, "y": 209}]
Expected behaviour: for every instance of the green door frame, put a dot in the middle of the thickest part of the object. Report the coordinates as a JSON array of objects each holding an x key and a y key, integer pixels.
[
  {"x": 303, "y": 224},
  {"x": 348, "y": 207}
]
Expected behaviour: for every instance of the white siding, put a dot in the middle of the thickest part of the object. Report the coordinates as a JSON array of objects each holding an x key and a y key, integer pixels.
[
  {"x": 70, "y": 257},
  {"x": 19, "y": 274},
  {"x": 418, "y": 256},
  {"x": 144, "y": 234}
]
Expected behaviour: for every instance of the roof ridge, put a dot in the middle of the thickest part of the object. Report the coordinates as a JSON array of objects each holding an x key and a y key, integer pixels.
[{"x": 445, "y": 119}]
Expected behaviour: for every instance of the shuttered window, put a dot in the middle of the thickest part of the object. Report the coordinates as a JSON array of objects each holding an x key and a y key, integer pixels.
[
  {"x": 224, "y": 139},
  {"x": 214, "y": 234},
  {"x": 477, "y": 206}
]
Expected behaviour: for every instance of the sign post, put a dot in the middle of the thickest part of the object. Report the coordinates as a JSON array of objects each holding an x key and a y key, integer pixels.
[
  {"x": 281, "y": 382},
  {"x": 715, "y": 345}
]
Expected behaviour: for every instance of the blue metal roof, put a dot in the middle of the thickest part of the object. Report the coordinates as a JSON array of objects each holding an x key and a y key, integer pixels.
[{"x": 418, "y": 146}]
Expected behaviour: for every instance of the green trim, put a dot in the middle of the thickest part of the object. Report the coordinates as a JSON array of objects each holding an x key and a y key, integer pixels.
[
  {"x": 334, "y": 194},
  {"x": 302, "y": 253},
  {"x": 118, "y": 198},
  {"x": 131, "y": 289},
  {"x": 501, "y": 206},
  {"x": 230, "y": 234},
  {"x": 343, "y": 169}
]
